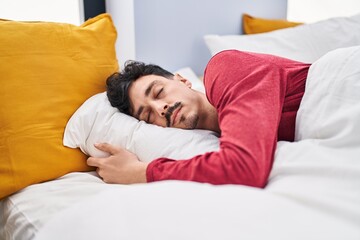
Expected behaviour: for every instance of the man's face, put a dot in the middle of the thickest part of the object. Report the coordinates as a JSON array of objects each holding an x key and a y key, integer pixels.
[{"x": 165, "y": 102}]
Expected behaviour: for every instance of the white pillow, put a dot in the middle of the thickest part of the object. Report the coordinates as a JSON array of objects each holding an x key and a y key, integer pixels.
[
  {"x": 305, "y": 43},
  {"x": 97, "y": 121}
]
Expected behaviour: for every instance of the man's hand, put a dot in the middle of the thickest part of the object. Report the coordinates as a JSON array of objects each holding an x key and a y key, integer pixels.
[{"x": 121, "y": 166}]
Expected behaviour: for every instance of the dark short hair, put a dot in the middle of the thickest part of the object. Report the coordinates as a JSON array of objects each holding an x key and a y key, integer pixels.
[{"x": 118, "y": 83}]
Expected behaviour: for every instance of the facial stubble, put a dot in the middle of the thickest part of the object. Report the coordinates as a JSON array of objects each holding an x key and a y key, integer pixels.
[{"x": 190, "y": 122}]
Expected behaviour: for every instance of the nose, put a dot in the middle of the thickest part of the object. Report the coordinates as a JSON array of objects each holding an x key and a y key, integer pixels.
[
  {"x": 161, "y": 109},
  {"x": 164, "y": 110}
]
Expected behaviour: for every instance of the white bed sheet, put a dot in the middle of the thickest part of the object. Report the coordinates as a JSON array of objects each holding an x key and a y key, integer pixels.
[{"x": 313, "y": 190}]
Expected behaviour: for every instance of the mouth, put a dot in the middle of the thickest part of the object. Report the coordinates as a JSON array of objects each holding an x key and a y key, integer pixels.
[
  {"x": 174, "y": 115},
  {"x": 170, "y": 115}
]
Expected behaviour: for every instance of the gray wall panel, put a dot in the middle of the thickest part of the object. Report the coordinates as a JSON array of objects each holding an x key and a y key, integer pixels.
[{"x": 170, "y": 32}]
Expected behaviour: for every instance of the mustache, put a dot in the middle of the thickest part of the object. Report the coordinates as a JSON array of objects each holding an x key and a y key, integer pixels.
[{"x": 170, "y": 112}]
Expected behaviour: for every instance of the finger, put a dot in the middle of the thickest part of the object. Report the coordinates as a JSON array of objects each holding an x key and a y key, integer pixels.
[
  {"x": 93, "y": 162},
  {"x": 106, "y": 147},
  {"x": 98, "y": 171}
]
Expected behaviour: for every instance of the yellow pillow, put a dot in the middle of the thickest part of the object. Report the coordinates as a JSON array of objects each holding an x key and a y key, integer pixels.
[
  {"x": 47, "y": 71},
  {"x": 259, "y": 25}
]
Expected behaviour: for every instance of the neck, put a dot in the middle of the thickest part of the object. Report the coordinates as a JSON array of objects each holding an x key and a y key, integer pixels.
[{"x": 210, "y": 116}]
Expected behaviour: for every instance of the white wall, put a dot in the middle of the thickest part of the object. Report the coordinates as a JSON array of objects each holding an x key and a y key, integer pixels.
[
  {"x": 67, "y": 11},
  {"x": 315, "y": 10}
]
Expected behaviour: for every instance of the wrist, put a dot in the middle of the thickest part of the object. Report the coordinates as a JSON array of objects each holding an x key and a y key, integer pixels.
[{"x": 142, "y": 172}]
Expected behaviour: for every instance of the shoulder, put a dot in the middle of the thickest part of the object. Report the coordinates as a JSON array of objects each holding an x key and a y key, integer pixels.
[
  {"x": 228, "y": 68},
  {"x": 227, "y": 62},
  {"x": 228, "y": 57}
]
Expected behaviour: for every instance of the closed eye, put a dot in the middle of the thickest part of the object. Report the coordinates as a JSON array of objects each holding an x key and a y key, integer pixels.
[{"x": 159, "y": 93}]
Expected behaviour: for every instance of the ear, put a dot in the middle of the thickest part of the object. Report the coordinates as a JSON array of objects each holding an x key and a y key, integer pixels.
[{"x": 183, "y": 80}]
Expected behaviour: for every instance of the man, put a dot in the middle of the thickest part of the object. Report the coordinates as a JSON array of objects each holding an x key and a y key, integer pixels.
[{"x": 251, "y": 101}]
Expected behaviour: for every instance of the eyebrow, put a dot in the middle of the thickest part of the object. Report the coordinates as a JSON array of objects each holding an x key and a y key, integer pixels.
[{"x": 147, "y": 92}]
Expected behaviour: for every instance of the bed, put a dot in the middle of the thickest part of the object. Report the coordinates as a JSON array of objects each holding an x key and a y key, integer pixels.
[{"x": 313, "y": 190}]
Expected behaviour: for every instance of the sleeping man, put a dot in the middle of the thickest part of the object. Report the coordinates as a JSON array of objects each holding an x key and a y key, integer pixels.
[{"x": 251, "y": 101}]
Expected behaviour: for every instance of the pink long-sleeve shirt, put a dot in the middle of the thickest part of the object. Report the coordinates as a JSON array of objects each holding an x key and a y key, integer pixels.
[{"x": 257, "y": 97}]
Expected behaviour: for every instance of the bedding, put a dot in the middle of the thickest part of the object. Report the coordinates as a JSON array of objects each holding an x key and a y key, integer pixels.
[
  {"x": 312, "y": 193},
  {"x": 304, "y": 43}
]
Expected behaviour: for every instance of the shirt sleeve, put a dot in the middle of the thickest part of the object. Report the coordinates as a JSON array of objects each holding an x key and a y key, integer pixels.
[{"x": 248, "y": 92}]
